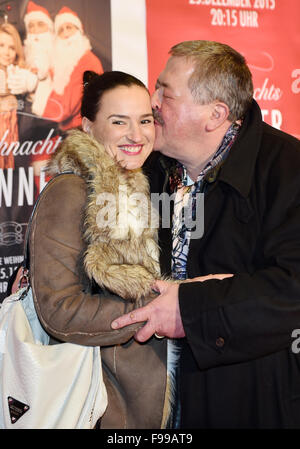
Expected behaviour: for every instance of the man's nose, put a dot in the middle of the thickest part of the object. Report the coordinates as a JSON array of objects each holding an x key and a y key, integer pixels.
[
  {"x": 64, "y": 34},
  {"x": 155, "y": 100}
]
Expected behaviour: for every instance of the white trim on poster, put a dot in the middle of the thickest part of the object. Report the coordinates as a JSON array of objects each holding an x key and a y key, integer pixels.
[{"x": 129, "y": 41}]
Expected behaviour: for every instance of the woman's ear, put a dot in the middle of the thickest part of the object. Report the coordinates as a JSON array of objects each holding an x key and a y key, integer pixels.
[{"x": 86, "y": 125}]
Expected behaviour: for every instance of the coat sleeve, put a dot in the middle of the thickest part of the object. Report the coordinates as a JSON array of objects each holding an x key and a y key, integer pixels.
[
  {"x": 253, "y": 314},
  {"x": 65, "y": 309}
]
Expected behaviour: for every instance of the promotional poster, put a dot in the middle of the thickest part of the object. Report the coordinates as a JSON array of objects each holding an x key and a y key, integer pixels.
[{"x": 40, "y": 98}]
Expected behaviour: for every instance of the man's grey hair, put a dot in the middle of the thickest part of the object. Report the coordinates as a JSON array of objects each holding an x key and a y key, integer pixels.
[{"x": 221, "y": 74}]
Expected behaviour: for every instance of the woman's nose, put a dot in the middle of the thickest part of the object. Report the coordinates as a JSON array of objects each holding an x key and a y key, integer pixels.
[{"x": 135, "y": 133}]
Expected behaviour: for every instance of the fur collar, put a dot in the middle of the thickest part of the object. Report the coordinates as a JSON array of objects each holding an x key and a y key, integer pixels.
[{"x": 122, "y": 252}]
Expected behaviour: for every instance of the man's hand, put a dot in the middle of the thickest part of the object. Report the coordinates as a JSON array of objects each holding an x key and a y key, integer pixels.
[
  {"x": 162, "y": 314},
  {"x": 219, "y": 276}
]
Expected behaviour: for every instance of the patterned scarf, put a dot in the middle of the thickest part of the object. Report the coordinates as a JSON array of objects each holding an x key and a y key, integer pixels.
[{"x": 184, "y": 187}]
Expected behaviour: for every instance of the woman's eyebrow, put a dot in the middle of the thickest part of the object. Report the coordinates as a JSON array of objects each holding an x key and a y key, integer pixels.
[
  {"x": 118, "y": 116},
  {"x": 148, "y": 114}
]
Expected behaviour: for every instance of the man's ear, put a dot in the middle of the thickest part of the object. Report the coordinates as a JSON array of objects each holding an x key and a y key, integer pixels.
[
  {"x": 219, "y": 114},
  {"x": 86, "y": 125}
]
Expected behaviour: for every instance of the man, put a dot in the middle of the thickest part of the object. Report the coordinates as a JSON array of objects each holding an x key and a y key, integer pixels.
[
  {"x": 38, "y": 45},
  {"x": 38, "y": 48},
  {"x": 239, "y": 366},
  {"x": 73, "y": 56}
]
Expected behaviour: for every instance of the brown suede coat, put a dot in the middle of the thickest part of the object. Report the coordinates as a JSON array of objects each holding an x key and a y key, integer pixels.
[{"x": 71, "y": 305}]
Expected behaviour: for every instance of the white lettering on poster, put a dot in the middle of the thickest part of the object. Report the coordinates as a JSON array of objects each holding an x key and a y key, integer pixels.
[
  {"x": 257, "y": 4},
  {"x": 25, "y": 187},
  {"x": 246, "y": 16},
  {"x": 227, "y": 3},
  {"x": 274, "y": 116},
  {"x": 6, "y": 186},
  {"x": 7, "y": 267},
  {"x": 267, "y": 92},
  {"x": 232, "y": 17},
  {"x": 28, "y": 147},
  {"x": 296, "y": 84},
  {"x": 3, "y": 287},
  {"x": 264, "y": 4}
]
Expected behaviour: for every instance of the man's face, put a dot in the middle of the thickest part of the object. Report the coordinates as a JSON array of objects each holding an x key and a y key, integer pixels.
[
  {"x": 67, "y": 30},
  {"x": 37, "y": 27},
  {"x": 179, "y": 121}
]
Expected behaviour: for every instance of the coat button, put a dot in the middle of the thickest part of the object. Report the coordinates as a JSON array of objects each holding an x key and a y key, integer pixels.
[{"x": 220, "y": 342}]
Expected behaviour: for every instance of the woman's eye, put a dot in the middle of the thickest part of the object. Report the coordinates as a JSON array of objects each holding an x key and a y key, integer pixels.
[
  {"x": 118, "y": 122},
  {"x": 146, "y": 121}
]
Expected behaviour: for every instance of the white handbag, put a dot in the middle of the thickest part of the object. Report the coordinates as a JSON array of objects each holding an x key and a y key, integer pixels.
[
  {"x": 42, "y": 386},
  {"x": 45, "y": 386}
]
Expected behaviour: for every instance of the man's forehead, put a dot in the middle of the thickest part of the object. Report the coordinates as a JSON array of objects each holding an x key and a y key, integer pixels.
[
  {"x": 165, "y": 76},
  {"x": 37, "y": 21},
  {"x": 38, "y": 26},
  {"x": 177, "y": 68}
]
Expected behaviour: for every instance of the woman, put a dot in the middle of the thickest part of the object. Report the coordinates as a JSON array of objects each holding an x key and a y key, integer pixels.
[
  {"x": 90, "y": 262},
  {"x": 11, "y": 55}
]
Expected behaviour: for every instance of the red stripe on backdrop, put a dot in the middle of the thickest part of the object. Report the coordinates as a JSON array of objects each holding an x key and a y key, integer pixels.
[{"x": 266, "y": 32}]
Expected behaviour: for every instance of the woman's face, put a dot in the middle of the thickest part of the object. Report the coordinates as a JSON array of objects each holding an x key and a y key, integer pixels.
[
  {"x": 7, "y": 49},
  {"x": 124, "y": 125}
]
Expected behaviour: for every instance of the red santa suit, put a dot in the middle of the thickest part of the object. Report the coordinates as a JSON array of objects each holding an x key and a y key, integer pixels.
[
  {"x": 60, "y": 99},
  {"x": 65, "y": 108}
]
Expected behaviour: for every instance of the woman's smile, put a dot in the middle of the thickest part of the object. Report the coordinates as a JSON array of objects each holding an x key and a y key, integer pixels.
[{"x": 131, "y": 150}]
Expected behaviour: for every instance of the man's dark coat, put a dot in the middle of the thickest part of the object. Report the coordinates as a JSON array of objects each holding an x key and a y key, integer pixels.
[{"x": 238, "y": 368}]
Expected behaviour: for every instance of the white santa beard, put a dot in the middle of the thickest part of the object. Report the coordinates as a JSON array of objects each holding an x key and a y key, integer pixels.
[
  {"x": 38, "y": 49},
  {"x": 67, "y": 54}
]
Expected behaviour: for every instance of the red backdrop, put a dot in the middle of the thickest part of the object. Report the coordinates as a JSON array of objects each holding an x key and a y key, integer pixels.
[{"x": 266, "y": 32}]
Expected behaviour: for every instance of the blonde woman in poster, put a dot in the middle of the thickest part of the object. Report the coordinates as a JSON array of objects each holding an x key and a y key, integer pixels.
[{"x": 11, "y": 57}]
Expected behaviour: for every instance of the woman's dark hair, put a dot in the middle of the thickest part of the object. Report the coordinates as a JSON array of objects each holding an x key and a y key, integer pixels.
[{"x": 95, "y": 85}]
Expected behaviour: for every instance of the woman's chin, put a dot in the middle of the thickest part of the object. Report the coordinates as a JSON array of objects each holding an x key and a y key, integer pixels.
[{"x": 132, "y": 164}]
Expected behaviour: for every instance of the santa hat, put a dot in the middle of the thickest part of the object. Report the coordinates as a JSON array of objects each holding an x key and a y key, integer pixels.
[
  {"x": 66, "y": 15},
  {"x": 37, "y": 12}
]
